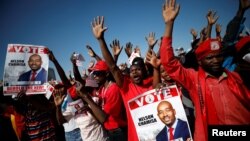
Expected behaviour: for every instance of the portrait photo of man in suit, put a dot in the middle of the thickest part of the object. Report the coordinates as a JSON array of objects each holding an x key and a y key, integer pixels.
[
  {"x": 174, "y": 128},
  {"x": 36, "y": 73}
]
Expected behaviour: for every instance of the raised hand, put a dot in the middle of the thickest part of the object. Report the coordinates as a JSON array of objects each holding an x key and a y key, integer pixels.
[
  {"x": 218, "y": 31},
  {"x": 211, "y": 17},
  {"x": 170, "y": 10},
  {"x": 193, "y": 33},
  {"x": 128, "y": 49},
  {"x": 91, "y": 52},
  {"x": 116, "y": 48},
  {"x": 137, "y": 50},
  {"x": 59, "y": 95},
  {"x": 151, "y": 40},
  {"x": 73, "y": 58},
  {"x": 244, "y": 4},
  {"x": 152, "y": 59},
  {"x": 202, "y": 36},
  {"x": 91, "y": 64},
  {"x": 218, "y": 28},
  {"x": 97, "y": 27}
]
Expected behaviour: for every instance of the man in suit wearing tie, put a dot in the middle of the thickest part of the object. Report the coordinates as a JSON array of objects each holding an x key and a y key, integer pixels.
[
  {"x": 37, "y": 73},
  {"x": 175, "y": 128}
]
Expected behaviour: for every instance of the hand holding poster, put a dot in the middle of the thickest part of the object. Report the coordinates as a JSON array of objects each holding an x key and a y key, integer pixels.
[
  {"x": 78, "y": 58},
  {"x": 26, "y": 67},
  {"x": 154, "y": 113}
]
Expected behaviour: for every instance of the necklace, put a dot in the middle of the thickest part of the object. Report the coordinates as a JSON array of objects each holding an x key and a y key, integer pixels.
[{"x": 103, "y": 93}]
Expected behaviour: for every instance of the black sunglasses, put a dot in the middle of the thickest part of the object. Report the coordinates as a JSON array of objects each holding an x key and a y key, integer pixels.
[{"x": 98, "y": 73}]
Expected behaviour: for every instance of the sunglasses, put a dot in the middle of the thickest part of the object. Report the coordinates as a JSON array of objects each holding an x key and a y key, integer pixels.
[{"x": 98, "y": 73}]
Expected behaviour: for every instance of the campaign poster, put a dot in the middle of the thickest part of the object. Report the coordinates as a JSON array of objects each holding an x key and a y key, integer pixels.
[
  {"x": 78, "y": 108},
  {"x": 146, "y": 117},
  {"x": 26, "y": 68}
]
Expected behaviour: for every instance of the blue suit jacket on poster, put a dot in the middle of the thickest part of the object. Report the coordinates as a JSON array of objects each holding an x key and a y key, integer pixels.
[
  {"x": 41, "y": 76},
  {"x": 181, "y": 131}
]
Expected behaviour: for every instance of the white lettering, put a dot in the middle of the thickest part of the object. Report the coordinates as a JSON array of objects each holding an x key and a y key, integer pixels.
[
  {"x": 214, "y": 131},
  {"x": 28, "y": 49},
  {"x": 158, "y": 96},
  {"x": 17, "y": 48},
  {"x": 40, "y": 50},
  {"x": 149, "y": 98},
  {"x": 243, "y": 133},
  {"x": 139, "y": 103}
]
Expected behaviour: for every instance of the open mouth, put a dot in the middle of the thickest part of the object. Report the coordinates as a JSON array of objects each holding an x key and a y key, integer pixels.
[
  {"x": 216, "y": 66},
  {"x": 136, "y": 78}
]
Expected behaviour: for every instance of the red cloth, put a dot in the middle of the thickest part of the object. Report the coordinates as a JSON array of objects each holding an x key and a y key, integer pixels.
[
  {"x": 191, "y": 80},
  {"x": 33, "y": 76},
  {"x": 206, "y": 47},
  {"x": 72, "y": 92},
  {"x": 113, "y": 106},
  {"x": 209, "y": 108},
  {"x": 20, "y": 124},
  {"x": 171, "y": 135},
  {"x": 100, "y": 66},
  {"x": 129, "y": 91},
  {"x": 242, "y": 42}
]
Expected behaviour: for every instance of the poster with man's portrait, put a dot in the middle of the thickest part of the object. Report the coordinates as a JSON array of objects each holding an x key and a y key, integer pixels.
[
  {"x": 153, "y": 112},
  {"x": 26, "y": 67},
  {"x": 77, "y": 107}
]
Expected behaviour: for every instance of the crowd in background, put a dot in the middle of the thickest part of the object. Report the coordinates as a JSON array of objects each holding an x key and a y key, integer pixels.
[{"x": 212, "y": 77}]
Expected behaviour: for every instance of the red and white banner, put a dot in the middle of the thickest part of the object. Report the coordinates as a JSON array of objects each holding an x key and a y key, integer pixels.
[
  {"x": 17, "y": 64},
  {"x": 143, "y": 110}
]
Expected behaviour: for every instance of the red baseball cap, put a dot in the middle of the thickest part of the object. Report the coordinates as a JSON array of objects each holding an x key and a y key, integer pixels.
[
  {"x": 206, "y": 47},
  {"x": 100, "y": 66},
  {"x": 242, "y": 42}
]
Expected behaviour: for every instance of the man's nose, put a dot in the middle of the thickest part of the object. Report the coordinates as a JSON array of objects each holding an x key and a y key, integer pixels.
[{"x": 165, "y": 114}]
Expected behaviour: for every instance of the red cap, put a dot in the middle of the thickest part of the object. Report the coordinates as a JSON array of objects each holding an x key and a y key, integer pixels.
[
  {"x": 242, "y": 42},
  {"x": 100, "y": 66},
  {"x": 206, "y": 47},
  {"x": 72, "y": 92}
]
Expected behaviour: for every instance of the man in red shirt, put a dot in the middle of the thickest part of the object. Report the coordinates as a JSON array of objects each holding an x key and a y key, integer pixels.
[
  {"x": 111, "y": 102},
  {"x": 219, "y": 96}
]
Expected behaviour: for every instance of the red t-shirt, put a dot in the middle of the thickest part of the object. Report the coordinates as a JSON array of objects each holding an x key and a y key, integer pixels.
[{"x": 113, "y": 106}]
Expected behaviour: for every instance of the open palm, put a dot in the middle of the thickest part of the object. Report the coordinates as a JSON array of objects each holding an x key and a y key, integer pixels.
[
  {"x": 97, "y": 27},
  {"x": 170, "y": 10}
]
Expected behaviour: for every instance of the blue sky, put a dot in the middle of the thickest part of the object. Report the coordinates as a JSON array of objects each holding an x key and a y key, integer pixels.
[{"x": 64, "y": 25}]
